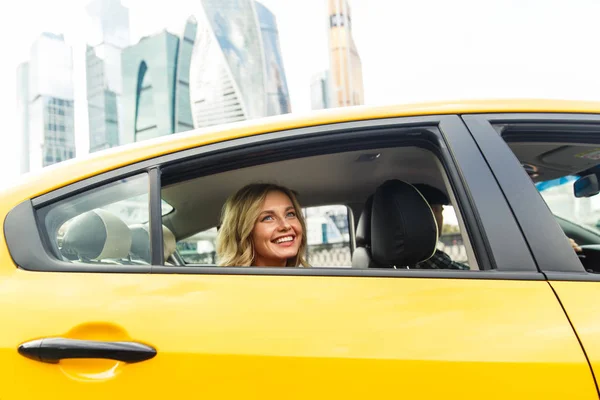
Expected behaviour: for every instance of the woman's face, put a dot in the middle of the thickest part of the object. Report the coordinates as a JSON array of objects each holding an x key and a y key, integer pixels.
[{"x": 277, "y": 233}]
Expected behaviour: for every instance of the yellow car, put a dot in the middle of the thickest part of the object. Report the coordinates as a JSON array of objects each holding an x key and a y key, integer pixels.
[{"x": 110, "y": 285}]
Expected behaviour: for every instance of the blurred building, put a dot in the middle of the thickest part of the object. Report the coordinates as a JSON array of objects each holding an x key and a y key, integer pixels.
[
  {"x": 45, "y": 103},
  {"x": 156, "y": 86},
  {"x": 23, "y": 113},
  {"x": 278, "y": 98},
  {"x": 237, "y": 72},
  {"x": 319, "y": 91},
  {"x": 345, "y": 63},
  {"x": 109, "y": 35}
]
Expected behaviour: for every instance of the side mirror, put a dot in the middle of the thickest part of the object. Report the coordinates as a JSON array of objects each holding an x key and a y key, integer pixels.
[{"x": 586, "y": 186}]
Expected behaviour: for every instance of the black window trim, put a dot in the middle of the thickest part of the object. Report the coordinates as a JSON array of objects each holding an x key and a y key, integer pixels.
[
  {"x": 155, "y": 222},
  {"x": 553, "y": 255},
  {"x": 448, "y": 125}
]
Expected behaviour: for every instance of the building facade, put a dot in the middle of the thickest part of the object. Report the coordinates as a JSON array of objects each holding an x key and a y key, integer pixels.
[
  {"x": 345, "y": 64},
  {"x": 236, "y": 72},
  {"x": 45, "y": 97},
  {"x": 109, "y": 36},
  {"x": 156, "y": 73}
]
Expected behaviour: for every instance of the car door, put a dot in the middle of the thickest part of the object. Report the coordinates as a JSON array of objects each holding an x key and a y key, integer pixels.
[
  {"x": 128, "y": 330},
  {"x": 574, "y": 138}
]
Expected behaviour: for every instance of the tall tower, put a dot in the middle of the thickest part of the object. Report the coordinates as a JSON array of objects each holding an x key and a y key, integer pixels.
[
  {"x": 45, "y": 94},
  {"x": 345, "y": 64},
  {"x": 109, "y": 36},
  {"x": 237, "y": 70}
]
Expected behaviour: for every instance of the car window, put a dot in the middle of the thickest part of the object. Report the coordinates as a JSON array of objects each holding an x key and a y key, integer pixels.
[
  {"x": 330, "y": 228},
  {"x": 558, "y": 166},
  {"x": 107, "y": 225}
]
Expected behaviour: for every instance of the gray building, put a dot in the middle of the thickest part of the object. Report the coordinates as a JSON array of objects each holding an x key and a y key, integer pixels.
[
  {"x": 320, "y": 91},
  {"x": 156, "y": 73},
  {"x": 109, "y": 35},
  {"x": 237, "y": 72},
  {"x": 45, "y": 103}
]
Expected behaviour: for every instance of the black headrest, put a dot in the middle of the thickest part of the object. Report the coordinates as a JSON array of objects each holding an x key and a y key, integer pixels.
[
  {"x": 363, "y": 229},
  {"x": 403, "y": 228}
]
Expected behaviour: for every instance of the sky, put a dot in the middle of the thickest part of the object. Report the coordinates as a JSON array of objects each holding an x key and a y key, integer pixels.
[{"x": 411, "y": 51}]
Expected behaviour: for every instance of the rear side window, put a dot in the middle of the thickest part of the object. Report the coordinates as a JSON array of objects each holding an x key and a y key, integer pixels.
[{"x": 106, "y": 225}]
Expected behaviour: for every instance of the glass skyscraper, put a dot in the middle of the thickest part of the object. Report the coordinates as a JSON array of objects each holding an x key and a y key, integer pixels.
[
  {"x": 45, "y": 98},
  {"x": 156, "y": 86},
  {"x": 109, "y": 36},
  {"x": 278, "y": 99},
  {"x": 345, "y": 64},
  {"x": 237, "y": 72}
]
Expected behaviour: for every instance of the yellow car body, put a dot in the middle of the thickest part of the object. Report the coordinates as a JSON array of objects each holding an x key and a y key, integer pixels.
[{"x": 288, "y": 337}]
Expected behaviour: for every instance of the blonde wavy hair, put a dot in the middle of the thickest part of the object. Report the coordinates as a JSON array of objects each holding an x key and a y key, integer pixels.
[{"x": 238, "y": 217}]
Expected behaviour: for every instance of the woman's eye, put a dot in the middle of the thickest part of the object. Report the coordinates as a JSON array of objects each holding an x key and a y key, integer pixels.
[
  {"x": 291, "y": 214},
  {"x": 267, "y": 218}
]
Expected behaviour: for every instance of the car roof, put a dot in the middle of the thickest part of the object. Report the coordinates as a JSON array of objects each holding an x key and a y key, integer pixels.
[{"x": 67, "y": 172}]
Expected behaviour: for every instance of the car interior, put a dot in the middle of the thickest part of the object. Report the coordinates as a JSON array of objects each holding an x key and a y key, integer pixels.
[
  {"x": 548, "y": 161},
  {"x": 376, "y": 186}
]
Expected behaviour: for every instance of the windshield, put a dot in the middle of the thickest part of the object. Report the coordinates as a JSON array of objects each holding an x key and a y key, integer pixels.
[{"x": 559, "y": 196}]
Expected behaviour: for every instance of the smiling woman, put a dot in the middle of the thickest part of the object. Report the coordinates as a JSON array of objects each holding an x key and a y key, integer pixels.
[{"x": 262, "y": 225}]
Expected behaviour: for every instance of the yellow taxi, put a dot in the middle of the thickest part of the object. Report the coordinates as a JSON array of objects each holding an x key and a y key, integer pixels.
[{"x": 110, "y": 285}]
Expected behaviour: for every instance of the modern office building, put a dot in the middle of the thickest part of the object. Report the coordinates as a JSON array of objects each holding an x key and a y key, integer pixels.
[
  {"x": 237, "y": 72},
  {"x": 345, "y": 63},
  {"x": 156, "y": 73},
  {"x": 109, "y": 35},
  {"x": 320, "y": 91},
  {"x": 45, "y": 103}
]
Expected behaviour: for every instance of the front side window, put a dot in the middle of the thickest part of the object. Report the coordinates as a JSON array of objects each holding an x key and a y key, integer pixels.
[{"x": 566, "y": 174}]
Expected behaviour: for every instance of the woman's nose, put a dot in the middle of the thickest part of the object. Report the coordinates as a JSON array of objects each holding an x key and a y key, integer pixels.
[{"x": 284, "y": 224}]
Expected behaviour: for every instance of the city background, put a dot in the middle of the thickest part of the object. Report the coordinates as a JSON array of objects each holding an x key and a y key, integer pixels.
[
  {"x": 216, "y": 62},
  {"x": 83, "y": 76}
]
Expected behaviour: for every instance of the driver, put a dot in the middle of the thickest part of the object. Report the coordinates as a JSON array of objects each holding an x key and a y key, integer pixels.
[{"x": 437, "y": 200}]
